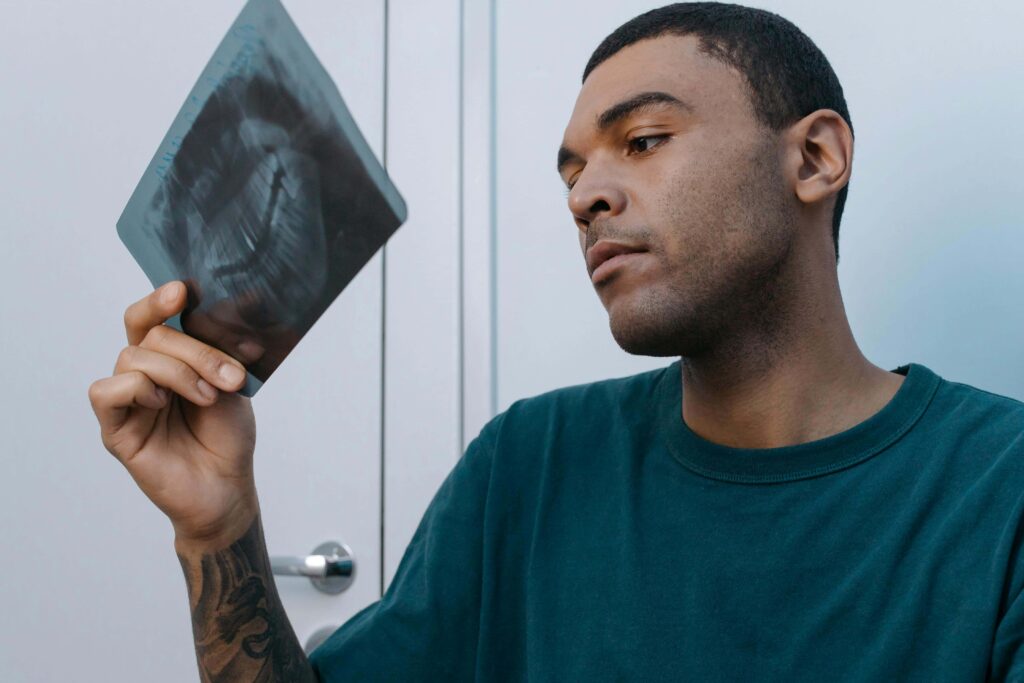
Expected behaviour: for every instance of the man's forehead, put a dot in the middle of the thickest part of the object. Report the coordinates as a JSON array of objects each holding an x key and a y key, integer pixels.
[{"x": 670, "y": 64}]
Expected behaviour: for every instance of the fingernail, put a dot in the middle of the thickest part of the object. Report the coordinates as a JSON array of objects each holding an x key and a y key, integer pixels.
[
  {"x": 169, "y": 293},
  {"x": 205, "y": 389},
  {"x": 232, "y": 374}
]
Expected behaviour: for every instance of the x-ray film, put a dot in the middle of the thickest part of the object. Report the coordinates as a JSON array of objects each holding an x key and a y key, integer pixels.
[{"x": 263, "y": 197}]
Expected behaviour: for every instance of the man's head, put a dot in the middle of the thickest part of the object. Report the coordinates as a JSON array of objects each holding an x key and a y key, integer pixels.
[{"x": 716, "y": 138}]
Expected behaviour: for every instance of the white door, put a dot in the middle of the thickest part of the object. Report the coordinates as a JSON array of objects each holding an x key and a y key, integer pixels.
[
  {"x": 92, "y": 590},
  {"x": 437, "y": 347}
]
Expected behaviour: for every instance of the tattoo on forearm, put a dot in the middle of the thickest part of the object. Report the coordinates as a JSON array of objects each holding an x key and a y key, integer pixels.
[{"x": 241, "y": 630}]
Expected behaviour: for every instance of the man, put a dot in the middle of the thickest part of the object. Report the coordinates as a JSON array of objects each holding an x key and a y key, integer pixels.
[{"x": 771, "y": 506}]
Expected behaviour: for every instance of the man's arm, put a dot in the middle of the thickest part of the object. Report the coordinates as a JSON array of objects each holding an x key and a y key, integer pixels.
[{"x": 241, "y": 630}]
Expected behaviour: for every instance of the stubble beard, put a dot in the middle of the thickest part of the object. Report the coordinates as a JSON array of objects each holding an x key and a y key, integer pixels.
[{"x": 732, "y": 304}]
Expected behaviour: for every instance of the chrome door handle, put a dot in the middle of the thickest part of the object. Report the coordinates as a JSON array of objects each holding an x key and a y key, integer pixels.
[{"x": 331, "y": 568}]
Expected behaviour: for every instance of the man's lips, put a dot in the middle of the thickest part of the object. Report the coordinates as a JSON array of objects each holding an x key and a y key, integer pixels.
[{"x": 604, "y": 251}]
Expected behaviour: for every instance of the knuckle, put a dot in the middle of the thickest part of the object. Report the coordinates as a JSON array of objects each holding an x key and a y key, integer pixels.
[
  {"x": 96, "y": 391},
  {"x": 185, "y": 374},
  {"x": 138, "y": 380},
  {"x": 126, "y": 357},
  {"x": 208, "y": 359},
  {"x": 156, "y": 336},
  {"x": 131, "y": 316}
]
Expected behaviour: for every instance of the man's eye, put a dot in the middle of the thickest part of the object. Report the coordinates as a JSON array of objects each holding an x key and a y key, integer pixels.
[
  {"x": 643, "y": 138},
  {"x": 631, "y": 143}
]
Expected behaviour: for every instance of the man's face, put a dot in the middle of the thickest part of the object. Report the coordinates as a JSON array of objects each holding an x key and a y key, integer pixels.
[{"x": 696, "y": 185}]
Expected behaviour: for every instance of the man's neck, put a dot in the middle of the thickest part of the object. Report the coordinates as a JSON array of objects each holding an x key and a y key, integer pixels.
[{"x": 785, "y": 401}]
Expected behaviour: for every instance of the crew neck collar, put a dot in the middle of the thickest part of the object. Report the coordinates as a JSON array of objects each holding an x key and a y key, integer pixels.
[{"x": 800, "y": 461}]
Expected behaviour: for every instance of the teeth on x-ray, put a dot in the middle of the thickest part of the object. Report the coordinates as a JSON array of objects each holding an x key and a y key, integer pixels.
[
  {"x": 267, "y": 200},
  {"x": 267, "y": 241}
]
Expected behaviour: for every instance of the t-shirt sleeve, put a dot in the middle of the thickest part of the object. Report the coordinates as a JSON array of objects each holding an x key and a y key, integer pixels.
[
  {"x": 1007, "y": 661},
  {"x": 1008, "y": 645},
  {"x": 425, "y": 627}
]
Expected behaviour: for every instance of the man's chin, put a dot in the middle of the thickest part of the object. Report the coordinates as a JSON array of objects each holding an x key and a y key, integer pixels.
[{"x": 642, "y": 336}]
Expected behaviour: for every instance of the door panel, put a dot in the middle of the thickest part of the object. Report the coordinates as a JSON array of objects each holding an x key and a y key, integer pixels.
[
  {"x": 320, "y": 440},
  {"x": 422, "y": 344},
  {"x": 88, "y": 90}
]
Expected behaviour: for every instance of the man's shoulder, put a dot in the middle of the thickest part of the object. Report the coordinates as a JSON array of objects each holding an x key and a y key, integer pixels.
[
  {"x": 567, "y": 415},
  {"x": 983, "y": 430},
  {"x": 603, "y": 393},
  {"x": 554, "y": 429},
  {"x": 981, "y": 408}
]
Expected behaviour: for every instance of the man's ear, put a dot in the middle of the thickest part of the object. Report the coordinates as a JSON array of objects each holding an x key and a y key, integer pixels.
[{"x": 819, "y": 155}]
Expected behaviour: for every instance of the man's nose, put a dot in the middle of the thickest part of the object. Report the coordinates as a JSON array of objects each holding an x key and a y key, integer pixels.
[{"x": 592, "y": 196}]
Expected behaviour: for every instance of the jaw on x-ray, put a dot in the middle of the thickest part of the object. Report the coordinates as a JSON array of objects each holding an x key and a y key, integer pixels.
[{"x": 264, "y": 197}]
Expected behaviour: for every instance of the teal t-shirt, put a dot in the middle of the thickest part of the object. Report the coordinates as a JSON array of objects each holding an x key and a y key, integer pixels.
[{"x": 587, "y": 534}]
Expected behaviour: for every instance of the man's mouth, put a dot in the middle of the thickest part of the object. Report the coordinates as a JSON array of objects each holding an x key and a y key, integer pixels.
[
  {"x": 617, "y": 262},
  {"x": 606, "y": 251}
]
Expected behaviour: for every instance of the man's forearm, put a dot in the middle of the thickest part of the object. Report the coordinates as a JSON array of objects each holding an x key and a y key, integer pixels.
[{"x": 241, "y": 630}]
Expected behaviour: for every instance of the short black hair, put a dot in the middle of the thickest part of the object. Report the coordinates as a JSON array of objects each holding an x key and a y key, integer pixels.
[{"x": 787, "y": 76}]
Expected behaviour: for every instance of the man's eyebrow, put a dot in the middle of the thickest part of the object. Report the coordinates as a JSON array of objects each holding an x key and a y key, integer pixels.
[
  {"x": 644, "y": 100},
  {"x": 618, "y": 112}
]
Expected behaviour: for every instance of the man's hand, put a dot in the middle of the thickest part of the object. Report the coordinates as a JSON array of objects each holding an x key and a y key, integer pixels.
[{"x": 169, "y": 414}]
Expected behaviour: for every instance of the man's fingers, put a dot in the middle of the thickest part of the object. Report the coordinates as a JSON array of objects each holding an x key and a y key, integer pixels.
[
  {"x": 215, "y": 366},
  {"x": 169, "y": 372},
  {"x": 143, "y": 324},
  {"x": 153, "y": 310},
  {"x": 111, "y": 397}
]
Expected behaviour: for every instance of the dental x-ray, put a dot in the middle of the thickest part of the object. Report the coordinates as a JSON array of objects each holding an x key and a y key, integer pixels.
[{"x": 263, "y": 197}]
